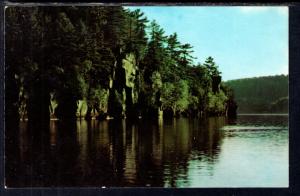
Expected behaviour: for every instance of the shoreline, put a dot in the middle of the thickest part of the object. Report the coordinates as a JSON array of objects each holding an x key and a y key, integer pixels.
[
  {"x": 241, "y": 114},
  {"x": 262, "y": 114}
]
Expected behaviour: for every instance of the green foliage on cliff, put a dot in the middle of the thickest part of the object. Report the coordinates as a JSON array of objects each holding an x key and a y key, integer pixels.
[
  {"x": 104, "y": 60},
  {"x": 261, "y": 94}
]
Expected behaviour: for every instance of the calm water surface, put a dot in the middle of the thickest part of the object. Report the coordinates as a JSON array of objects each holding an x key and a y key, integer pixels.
[{"x": 251, "y": 151}]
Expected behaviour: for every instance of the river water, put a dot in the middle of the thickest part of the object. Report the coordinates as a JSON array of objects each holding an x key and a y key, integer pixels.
[{"x": 250, "y": 151}]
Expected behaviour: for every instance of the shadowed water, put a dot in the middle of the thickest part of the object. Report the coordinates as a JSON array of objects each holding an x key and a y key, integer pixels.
[{"x": 251, "y": 151}]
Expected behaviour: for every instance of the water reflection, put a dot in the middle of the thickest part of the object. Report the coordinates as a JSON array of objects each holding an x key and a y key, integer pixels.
[
  {"x": 261, "y": 120},
  {"x": 164, "y": 153}
]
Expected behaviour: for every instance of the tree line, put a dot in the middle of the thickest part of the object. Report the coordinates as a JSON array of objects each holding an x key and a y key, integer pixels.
[
  {"x": 106, "y": 60},
  {"x": 261, "y": 94}
]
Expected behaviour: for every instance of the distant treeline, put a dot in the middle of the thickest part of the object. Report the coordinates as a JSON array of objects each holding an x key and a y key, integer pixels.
[
  {"x": 261, "y": 94},
  {"x": 70, "y": 62}
]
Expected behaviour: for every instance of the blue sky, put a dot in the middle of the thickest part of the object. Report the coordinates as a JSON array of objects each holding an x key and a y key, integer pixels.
[{"x": 244, "y": 41}]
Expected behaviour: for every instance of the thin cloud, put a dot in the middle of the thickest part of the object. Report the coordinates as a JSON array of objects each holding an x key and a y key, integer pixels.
[
  {"x": 250, "y": 9},
  {"x": 283, "y": 10}
]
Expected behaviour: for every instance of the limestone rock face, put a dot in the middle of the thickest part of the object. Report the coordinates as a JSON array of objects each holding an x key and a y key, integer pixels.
[
  {"x": 131, "y": 90},
  {"x": 123, "y": 92},
  {"x": 130, "y": 69}
]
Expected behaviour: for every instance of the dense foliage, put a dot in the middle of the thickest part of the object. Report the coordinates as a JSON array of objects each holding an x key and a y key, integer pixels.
[
  {"x": 67, "y": 62},
  {"x": 261, "y": 94}
]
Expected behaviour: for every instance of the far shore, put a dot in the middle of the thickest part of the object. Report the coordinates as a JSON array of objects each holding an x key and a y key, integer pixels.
[
  {"x": 239, "y": 114},
  {"x": 263, "y": 114}
]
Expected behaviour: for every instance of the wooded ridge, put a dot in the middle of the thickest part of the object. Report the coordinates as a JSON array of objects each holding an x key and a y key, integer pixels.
[
  {"x": 70, "y": 62},
  {"x": 267, "y": 94}
]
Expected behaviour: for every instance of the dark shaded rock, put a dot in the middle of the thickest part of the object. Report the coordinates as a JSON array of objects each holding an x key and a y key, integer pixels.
[
  {"x": 231, "y": 109},
  {"x": 102, "y": 116},
  {"x": 168, "y": 113},
  {"x": 216, "y": 80}
]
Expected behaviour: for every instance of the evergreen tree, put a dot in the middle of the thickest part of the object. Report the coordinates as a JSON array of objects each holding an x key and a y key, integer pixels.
[
  {"x": 78, "y": 53},
  {"x": 211, "y": 67}
]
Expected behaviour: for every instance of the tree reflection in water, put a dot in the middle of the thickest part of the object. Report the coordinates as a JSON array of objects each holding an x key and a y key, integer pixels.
[{"x": 115, "y": 152}]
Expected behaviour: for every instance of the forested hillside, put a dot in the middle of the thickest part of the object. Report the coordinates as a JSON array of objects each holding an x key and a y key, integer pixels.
[
  {"x": 261, "y": 94},
  {"x": 70, "y": 62}
]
